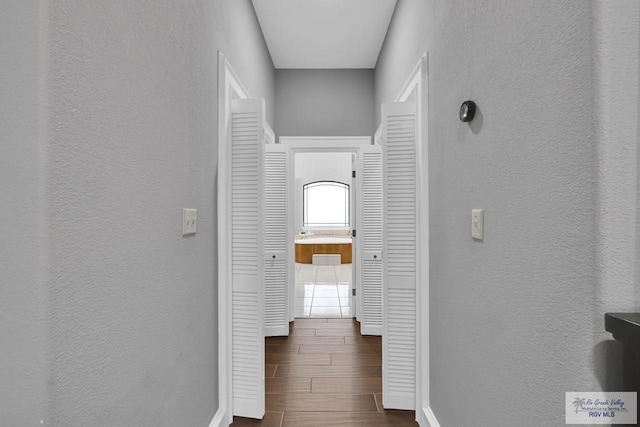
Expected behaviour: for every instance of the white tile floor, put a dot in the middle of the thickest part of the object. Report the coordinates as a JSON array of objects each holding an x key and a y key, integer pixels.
[{"x": 323, "y": 290}]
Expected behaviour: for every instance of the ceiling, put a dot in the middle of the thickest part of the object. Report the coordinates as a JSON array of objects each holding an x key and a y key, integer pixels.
[{"x": 324, "y": 33}]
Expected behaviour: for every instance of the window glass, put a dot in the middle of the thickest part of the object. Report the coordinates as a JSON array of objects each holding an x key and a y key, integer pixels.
[{"x": 326, "y": 204}]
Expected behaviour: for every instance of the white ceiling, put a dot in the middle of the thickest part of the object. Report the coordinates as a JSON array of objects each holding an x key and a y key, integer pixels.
[{"x": 324, "y": 33}]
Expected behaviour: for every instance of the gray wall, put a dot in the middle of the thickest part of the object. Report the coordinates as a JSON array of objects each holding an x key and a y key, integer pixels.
[
  {"x": 519, "y": 317},
  {"x": 23, "y": 245},
  {"x": 109, "y": 314},
  {"x": 325, "y": 103}
]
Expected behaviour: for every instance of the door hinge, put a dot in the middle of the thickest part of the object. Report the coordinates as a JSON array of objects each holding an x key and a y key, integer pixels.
[
  {"x": 353, "y": 233},
  {"x": 353, "y": 292},
  {"x": 353, "y": 174}
]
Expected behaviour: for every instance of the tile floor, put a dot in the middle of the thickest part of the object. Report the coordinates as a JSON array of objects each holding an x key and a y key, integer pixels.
[{"x": 323, "y": 291}]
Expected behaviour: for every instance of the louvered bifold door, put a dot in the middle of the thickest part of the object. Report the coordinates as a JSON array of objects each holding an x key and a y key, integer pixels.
[
  {"x": 276, "y": 241},
  {"x": 371, "y": 241},
  {"x": 399, "y": 264},
  {"x": 247, "y": 263}
]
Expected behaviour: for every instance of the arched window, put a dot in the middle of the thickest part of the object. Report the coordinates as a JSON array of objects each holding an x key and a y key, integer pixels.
[{"x": 325, "y": 204}]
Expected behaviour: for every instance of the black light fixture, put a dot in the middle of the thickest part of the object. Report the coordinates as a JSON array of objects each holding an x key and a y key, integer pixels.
[{"x": 467, "y": 111}]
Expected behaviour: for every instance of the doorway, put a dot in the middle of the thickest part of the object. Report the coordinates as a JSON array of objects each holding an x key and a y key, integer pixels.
[
  {"x": 230, "y": 88},
  {"x": 323, "y": 223},
  {"x": 304, "y": 151}
]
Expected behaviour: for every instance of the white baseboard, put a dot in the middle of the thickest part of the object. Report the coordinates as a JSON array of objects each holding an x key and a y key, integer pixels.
[
  {"x": 218, "y": 419},
  {"x": 426, "y": 418}
]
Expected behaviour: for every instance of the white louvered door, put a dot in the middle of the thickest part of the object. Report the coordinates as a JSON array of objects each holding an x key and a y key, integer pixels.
[
  {"x": 247, "y": 256},
  {"x": 356, "y": 251},
  {"x": 399, "y": 264},
  {"x": 276, "y": 241},
  {"x": 370, "y": 299}
]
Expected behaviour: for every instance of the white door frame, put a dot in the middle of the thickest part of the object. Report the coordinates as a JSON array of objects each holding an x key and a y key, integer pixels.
[
  {"x": 416, "y": 89},
  {"x": 321, "y": 144},
  {"x": 229, "y": 87}
]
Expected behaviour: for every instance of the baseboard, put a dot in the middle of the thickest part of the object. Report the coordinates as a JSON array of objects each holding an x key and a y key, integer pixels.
[
  {"x": 426, "y": 418},
  {"x": 218, "y": 419}
]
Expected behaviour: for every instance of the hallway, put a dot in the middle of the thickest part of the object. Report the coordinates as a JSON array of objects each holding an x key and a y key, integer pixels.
[
  {"x": 325, "y": 374},
  {"x": 118, "y": 223}
]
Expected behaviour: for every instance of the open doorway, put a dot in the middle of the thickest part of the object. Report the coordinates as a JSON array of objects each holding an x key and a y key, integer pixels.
[
  {"x": 327, "y": 370},
  {"x": 329, "y": 213},
  {"x": 232, "y": 289},
  {"x": 324, "y": 245}
]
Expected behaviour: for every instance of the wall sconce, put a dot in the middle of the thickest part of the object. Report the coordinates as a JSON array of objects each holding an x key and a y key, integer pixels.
[{"x": 467, "y": 111}]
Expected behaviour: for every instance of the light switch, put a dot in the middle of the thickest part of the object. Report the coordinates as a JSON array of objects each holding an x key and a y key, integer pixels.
[
  {"x": 477, "y": 224},
  {"x": 189, "y": 221}
]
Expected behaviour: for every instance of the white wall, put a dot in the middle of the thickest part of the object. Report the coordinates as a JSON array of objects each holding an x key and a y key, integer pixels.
[
  {"x": 312, "y": 167},
  {"x": 517, "y": 320},
  {"x": 112, "y": 314},
  {"x": 325, "y": 103}
]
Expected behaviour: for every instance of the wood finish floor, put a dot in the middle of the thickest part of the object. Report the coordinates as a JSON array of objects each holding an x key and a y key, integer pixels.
[{"x": 325, "y": 374}]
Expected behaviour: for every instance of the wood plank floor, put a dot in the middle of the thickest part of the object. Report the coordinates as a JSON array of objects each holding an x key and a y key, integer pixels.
[{"x": 325, "y": 374}]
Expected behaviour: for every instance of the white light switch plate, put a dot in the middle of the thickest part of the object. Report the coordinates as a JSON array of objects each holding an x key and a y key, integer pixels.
[
  {"x": 477, "y": 224},
  {"x": 189, "y": 221}
]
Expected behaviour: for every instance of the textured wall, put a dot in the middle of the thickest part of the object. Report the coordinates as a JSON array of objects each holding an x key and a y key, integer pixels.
[
  {"x": 517, "y": 320},
  {"x": 246, "y": 50},
  {"x": 617, "y": 47},
  {"x": 404, "y": 45},
  {"x": 616, "y": 51},
  {"x": 132, "y": 301},
  {"x": 325, "y": 103},
  {"x": 23, "y": 290},
  {"x": 110, "y": 314},
  {"x": 133, "y": 308}
]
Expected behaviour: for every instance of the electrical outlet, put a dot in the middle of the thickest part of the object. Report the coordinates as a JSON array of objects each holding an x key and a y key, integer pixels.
[
  {"x": 189, "y": 221},
  {"x": 477, "y": 224}
]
